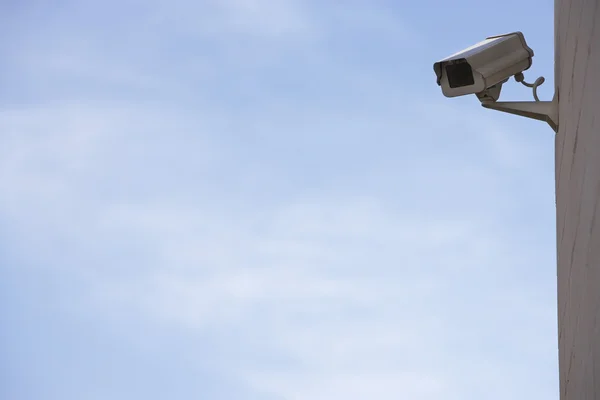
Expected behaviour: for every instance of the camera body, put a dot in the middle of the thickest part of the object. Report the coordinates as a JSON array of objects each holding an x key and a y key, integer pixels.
[{"x": 484, "y": 65}]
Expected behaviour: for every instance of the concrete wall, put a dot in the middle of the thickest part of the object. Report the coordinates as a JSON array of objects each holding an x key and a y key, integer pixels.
[{"x": 577, "y": 44}]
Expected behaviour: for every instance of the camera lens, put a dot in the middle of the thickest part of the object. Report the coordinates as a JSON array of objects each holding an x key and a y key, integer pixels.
[{"x": 459, "y": 74}]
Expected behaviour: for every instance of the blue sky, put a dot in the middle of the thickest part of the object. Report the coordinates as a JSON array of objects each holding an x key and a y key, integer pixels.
[{"x": 270, "y": 199}]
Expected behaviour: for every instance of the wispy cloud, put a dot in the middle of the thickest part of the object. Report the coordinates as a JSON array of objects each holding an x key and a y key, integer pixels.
[{"x": 255, "y": 183}]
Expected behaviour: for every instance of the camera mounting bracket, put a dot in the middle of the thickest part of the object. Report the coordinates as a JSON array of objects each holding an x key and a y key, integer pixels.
[{"x": 541, "y": 110}]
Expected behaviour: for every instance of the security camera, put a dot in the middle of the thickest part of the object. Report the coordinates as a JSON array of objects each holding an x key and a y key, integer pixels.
[
  {"x": 483, "y": 68},
  {"x": 484, "y": 65}
]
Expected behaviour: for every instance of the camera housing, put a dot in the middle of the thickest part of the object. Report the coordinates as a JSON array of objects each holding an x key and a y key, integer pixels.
[{"x": 484, "y": 65}]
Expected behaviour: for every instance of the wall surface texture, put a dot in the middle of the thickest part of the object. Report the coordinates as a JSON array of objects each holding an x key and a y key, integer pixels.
[{"x": 577, "y": 44}]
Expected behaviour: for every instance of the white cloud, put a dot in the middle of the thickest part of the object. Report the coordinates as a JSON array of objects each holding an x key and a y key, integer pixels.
[
  {"x": 353, "y": 297},
  {"x": 345, "y": 286}
]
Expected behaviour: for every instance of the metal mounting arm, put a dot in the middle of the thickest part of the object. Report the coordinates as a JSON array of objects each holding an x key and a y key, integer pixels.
[{"x": 540, "y": 110}]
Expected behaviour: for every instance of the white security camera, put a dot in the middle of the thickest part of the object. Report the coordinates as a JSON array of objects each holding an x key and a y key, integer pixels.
[
  {"x": 482, "y": 69},
  {"x": 484, "y": 65}
]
